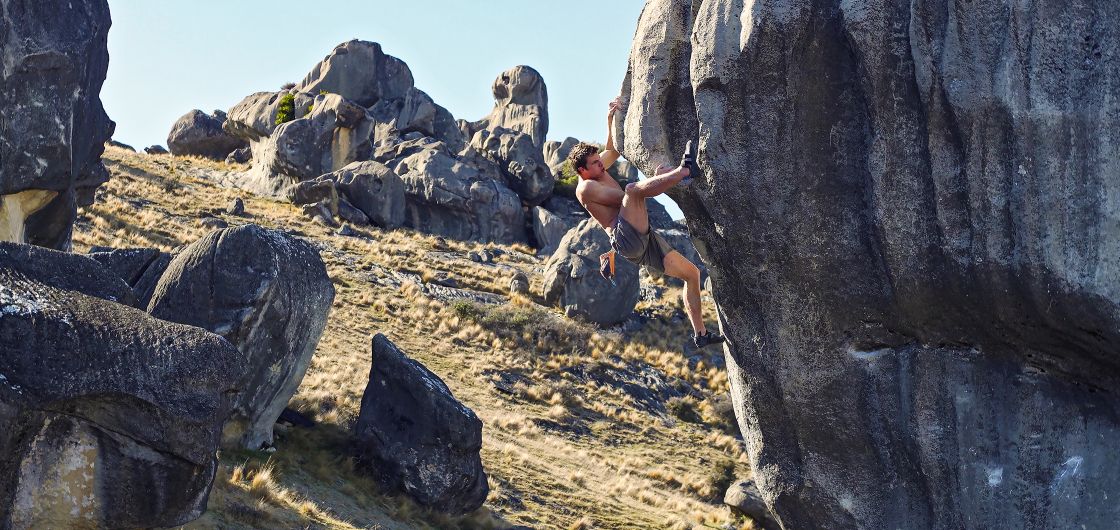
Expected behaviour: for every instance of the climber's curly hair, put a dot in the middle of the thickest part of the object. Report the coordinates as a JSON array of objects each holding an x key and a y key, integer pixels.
[{"x": 578, "y": 155}]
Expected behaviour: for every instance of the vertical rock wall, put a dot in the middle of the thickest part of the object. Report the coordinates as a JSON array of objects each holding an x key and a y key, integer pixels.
[
  {"x": 52, "y": 125},
  {"x": 911, "y": 215}
]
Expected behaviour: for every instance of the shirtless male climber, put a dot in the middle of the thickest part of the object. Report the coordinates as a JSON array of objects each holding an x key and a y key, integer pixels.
[{"x": 622, "y": 213}]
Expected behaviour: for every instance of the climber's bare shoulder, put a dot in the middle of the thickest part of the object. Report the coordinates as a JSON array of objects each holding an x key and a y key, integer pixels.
[{"x": 601, "y": 199}]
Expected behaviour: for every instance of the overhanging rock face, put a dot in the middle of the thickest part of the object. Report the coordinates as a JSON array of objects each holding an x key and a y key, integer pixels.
[
  {"x": 54, "y": 127},
  {"x": 911, "y": 215}
]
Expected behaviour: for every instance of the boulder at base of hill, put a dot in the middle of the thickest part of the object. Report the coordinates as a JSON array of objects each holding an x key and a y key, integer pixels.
[
  {"x": 572, "y": 280},
  {"x": 553, "y": 219},
  {"x": 267, "y": 293},
  {"x": 417, "y": 437},
  {"x": 109, "y": 418},
  {"x": 548, "y": 229},
  {"x": 241, "y": 155},
  {"x": 199, "y": 134},
  {"x": 743, "y": 499}
]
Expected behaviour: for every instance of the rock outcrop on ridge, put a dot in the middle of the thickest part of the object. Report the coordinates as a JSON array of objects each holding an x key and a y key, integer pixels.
[
  {"x": 909, "y": 211},
  {"x": 360, "y": 105},
  {"x": 54, "y": 127},
  {"x": 520, "y": 104}
]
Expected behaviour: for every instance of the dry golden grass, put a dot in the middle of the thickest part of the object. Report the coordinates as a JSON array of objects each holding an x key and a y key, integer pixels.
[{"x": 561, "y": 451}]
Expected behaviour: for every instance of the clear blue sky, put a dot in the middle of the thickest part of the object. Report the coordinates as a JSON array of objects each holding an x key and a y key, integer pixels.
[{"x": 168, "y": 57}]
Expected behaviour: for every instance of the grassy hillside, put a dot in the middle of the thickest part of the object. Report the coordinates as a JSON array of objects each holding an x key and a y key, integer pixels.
[{"x": 572, "y": 437}]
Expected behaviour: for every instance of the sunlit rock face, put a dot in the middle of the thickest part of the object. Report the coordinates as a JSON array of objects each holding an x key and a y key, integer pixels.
[
  {"x": 911, "y": 215},
  {"x": 54, "y": 127},
  {"x": 520, "y": 104}
]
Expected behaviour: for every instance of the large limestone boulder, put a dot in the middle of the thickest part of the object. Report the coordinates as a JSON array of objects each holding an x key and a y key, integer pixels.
[
  {"x": 552, "y": 221},
  {"x": 556, "y": 153},
  {"x": 520, "y": 104},
  {"x": 109, "y": 418},
  {"x": 359, "y": 71},
  {"x": 374, "y": 189},
  {"x": 197, "y": 133},
  {"x": 334, "y": 133},
  {"x": 268, "y": 294},
  {"x": 572, "y": 280},
  {"x": 254, "y": 118},
  {"x": 54, "y": 127},
  {"x": 909, "y": 214},
  {"x": 548, "y": 229},
  {"x": 520, "y": 161},
  {"x": 444, "y": 196},
  {"x": 415, "y": 112},
  {"x": 417, "y": 437}
]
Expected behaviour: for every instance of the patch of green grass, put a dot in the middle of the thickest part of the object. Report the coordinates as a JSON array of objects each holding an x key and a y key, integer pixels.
[{"x": 566, "y": 181}]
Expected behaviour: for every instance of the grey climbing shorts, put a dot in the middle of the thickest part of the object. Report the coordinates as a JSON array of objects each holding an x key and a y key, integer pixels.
[{"x": 647, "y": 249}]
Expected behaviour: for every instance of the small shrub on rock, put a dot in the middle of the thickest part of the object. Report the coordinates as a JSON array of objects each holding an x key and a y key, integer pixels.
[{"x": 287, "y": 109}]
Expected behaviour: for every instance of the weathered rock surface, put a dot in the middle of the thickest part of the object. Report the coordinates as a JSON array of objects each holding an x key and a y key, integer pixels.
[
  {"x": 572, "y": 278},
  {"x": 359, "y": 71},
  {"x": 520, "y": 104},
  {"x": 140, "y": 268},
  {"x": 909, "y": 211},
  {"x": 415, "y": 112},
  {"x": 549, "y": 229},
  {"x": 254, "y": 118},
  {"x": 54, "y": 127},
  {"x": 417, "y": 437},
  {"x": 520, "y": 161},
  {"x": 241, "y": 155},
  {"x": 447, "y": 197},
  {"x": 108, "y": 418},
  {"x": 743, "y": 498},
  {"x": 268, "y": 294},
  {"x": 372, "y": 188},
  {"x": 556, "y": 153},
  {"x": 200, "y": 134},
  {"x": 333, "y": 134}
]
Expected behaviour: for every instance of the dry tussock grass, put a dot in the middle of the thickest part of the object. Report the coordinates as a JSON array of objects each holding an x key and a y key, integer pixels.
[{"x": 562, "y": 452}]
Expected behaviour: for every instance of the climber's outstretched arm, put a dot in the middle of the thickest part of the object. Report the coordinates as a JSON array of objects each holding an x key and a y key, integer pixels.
[{"x": 610, "y": 154}]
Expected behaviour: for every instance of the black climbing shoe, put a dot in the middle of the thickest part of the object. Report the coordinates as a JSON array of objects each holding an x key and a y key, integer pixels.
[
  {"x": 710, "y": 337},
  {"x": 689, "y": 161}
]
